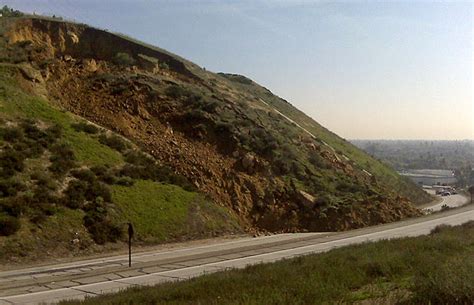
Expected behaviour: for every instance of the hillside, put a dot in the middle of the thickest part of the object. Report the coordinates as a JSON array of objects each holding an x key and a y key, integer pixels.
[{"x": 201, "y": 153}]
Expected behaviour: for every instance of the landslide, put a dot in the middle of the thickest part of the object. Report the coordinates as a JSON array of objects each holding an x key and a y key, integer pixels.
[{"x": 237, "y": 143}]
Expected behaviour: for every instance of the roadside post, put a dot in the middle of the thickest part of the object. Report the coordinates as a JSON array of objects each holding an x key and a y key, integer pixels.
[{"x": 130, "y": 236}]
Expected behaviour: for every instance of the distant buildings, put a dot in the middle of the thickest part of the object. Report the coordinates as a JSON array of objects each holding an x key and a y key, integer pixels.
[{"x": 431, "y": 176}]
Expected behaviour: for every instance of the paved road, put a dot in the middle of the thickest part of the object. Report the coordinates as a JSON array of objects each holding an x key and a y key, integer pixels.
[
  {"x": 96, "y": 276},
  {"x": 452, "y": 201}
]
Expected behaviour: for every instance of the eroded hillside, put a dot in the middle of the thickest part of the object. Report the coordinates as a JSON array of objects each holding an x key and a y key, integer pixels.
[{"x": 248, "y": 150}]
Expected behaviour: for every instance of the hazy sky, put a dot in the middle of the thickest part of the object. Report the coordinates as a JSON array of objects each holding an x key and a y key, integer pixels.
[{"x": 363, "y": 69}]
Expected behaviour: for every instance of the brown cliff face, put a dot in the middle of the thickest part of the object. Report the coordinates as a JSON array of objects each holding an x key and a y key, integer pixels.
[{"x": 241, "y": 152}]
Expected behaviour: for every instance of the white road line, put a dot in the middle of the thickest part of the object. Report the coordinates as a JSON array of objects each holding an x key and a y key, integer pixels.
[{"x": 409, "y": 230}]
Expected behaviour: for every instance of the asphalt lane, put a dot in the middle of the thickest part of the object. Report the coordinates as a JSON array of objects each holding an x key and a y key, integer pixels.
[
  {"x": 451, "y": 201},
  {"x": 97, "y": 276}
]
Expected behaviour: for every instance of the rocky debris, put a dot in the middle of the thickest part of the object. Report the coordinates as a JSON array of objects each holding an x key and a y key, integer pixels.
[
  {"x": 73, "y": 37},
  {"x": 31, "y": 74},
  {"x": 68, "y": 58},
  {"x": 260, "y": 199},
  {"x": 248, "y": 162},
  {"x": 90, "y": 65},
  {"x": 306, "y": 200}
]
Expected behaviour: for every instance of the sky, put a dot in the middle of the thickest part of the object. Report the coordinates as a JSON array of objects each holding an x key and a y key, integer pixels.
[{"x": 363, "y": 69}]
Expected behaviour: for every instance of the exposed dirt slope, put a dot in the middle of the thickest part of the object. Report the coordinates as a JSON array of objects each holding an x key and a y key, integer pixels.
[{"x": 224, "y": 137}]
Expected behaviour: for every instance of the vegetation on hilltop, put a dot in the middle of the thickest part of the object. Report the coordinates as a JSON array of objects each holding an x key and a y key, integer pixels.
[{"x": 9, "y": 12}]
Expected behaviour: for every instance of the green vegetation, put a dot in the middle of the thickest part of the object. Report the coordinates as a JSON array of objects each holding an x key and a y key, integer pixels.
[
  {"x": 85, "y": 127},
  {"x": 9, "y": 12},
  {"x": 434, "y": 269},
  {"x": 159, "y": 211},
  {"x": 55, "y": 168},
  {"x": 291, "y": 159},
  {"x": 275, "y": 160},
  {"x": 124, "y": 59},
  {"x": 14, "y": 103}
]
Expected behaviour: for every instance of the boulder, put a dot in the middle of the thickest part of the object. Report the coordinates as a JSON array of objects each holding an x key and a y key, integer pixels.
[
  {"x": 90, "y": 65},
  {"x": 31, "y": 74}
]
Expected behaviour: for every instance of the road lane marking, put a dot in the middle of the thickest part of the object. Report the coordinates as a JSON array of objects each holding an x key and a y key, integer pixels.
[{"x": 277, "y": 255}]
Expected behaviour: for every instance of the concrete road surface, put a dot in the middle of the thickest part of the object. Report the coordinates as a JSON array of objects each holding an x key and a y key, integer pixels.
[
  {"x": 96, "y": 276},
  {"x": 452, "y": 201}
]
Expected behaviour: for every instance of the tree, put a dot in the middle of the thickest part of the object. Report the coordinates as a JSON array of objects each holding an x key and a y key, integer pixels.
[
  {"x": 471, "y": 191},
  {"x": 9, "y": 12}
]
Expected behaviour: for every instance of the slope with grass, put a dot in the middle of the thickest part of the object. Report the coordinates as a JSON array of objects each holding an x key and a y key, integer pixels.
[
  {"x": 221, "y": 134},
  {"x": 67, "y": 187},
  {"x": 433, "y": 269}
]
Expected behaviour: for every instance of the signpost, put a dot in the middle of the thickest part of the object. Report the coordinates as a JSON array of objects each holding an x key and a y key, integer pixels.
[{"x": 130, "y": 236}]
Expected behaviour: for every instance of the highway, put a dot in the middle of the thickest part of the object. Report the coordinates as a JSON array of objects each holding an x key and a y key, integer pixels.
[
  {"x": 76, "y": 280},
  {"x": 452, "y": 201}
]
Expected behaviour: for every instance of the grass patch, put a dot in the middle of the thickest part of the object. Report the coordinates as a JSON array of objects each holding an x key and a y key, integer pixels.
[
  {"x": 435, "y": 269},
  {"x": 158, "y": 211},
  {"x": 15, "y": 103},
  {"x": 163, "y": 212}
]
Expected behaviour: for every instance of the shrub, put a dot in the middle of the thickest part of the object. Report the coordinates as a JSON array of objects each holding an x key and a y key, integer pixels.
[
  {"x": 101, "y": 228},
  {"x": 195, "y": 115},
  {"x": 40, "y": 197},
  {"x": 163, "y": 65},
  {"x": 345, "y": 186},
  {"x": 85, "y": 127},
  {"x": 439, "y": 228},
  {"x": 44, "y": 180},
  {"x": 53, "y": 133},
  {"x": 224, "y": 127},
  {"x": 114, "y": 142},
  {"x": 104, "y": 174},
  {"x": 31, "y": 130},
  {"x": 451, "y": 282},
  {"x": 123, "y": 59},
  {"x": 260, "y": 141},
  {"x": 11, "y": 134},
  {"x": 79, "y": 192},
  {"x": 281, "y": 166},
  {"x": 175, "y": 91},
  {"x": 11, "y": 161},
  {"x": 157, "y": 173},
  {"x": 38, "y": 217},
  {"x": 136, "y": 157},
  {"x": 125, "y": 181},
  {"x": 445, "y": 207},
  {"x": 9, "y": 12},
  {"x": 97, "y": 189},
  {"x": 62, "y": 159},
  {"x": 29, "y": 148},
  {"x": 38, "y": 139},
  {"x": 10, "y": 187},
  {"x": 208, "y": 106},
  {"x": 75, "y": 194},
  {"x": 8, "y": 225},
  {"x": 84, "y": 175},
  {"x": 317, "y": 161},
  {"x": 102, "y": 231},
  {"x": 12, "y": 206}
]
